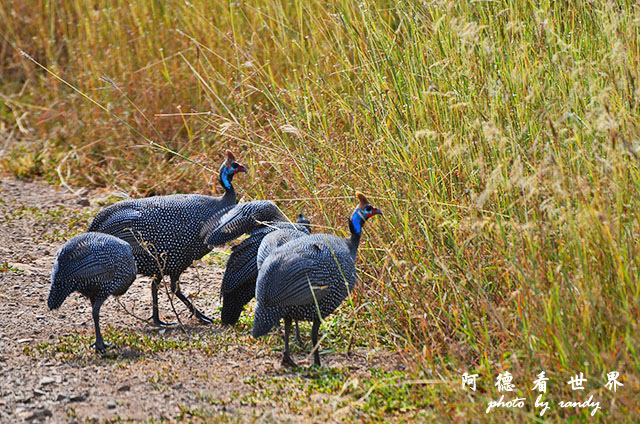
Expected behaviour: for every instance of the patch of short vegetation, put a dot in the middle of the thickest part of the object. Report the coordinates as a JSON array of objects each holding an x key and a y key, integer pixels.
[
  {"x": 374, "y": 397},
  {"x": 6, "y": 267},
  {"x": 54, "y": 224},
  {"x": 24, "y": 163},
  {"x": 127, "y": 344},
  {"x": 217, "y": 258},
  {"x": 208, "y": 415}
]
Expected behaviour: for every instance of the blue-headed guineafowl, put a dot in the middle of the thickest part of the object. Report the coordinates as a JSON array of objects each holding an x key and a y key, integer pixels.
[
  {"x": 167, "y": 233},
  {"x": 95, "y": 265},
  {"x": 307, "y": 279},
  {"x": 276, "y": 239},
  {"x": 258, "y": 219}
]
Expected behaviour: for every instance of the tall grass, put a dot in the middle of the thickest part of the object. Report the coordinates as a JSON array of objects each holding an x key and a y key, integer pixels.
[{"x": 499, "y": 137}]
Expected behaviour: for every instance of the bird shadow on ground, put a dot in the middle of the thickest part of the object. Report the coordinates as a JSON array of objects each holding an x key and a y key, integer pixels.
[{"x": 122, "y": 353}]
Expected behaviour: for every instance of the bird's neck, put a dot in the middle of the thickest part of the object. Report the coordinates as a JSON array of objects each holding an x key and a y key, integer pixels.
[
  {"x": 354, "y": 240},
  {"x": 225, "y": 182},
  {"x": 229, "y": 195}
]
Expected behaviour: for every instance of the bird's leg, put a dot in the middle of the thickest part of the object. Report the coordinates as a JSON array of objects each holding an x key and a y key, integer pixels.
[
  {"x": 298, "y": 338},
  {"x": 99, "y": 344},
  {"x": 286, "y": 357},
  {"x": 175, "y": 289},
  {"x": 154, "y": 297},
  {"x": 314, "y": 341}
]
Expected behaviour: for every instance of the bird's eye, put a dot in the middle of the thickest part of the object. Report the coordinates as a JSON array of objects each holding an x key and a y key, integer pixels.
[
  {"x": 234, "y": 166},
  {"x": 368, "y": 208}
]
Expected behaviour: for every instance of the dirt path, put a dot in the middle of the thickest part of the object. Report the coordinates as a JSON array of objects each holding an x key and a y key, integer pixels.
[{"x": 49, "y": 374}]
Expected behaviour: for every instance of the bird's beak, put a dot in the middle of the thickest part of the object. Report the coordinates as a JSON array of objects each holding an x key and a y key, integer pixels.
[
  {"x": 376, "y": 211},
  {"x": 241, "y": 168}
]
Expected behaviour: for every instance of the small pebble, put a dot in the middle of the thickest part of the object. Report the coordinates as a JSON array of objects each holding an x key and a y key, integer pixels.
[
  {"x": 44, "y": 381},
  {"x": 41, "y": 413},
  {"x": 78, "y": 398}
]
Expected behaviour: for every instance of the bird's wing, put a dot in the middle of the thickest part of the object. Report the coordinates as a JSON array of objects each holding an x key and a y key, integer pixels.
[
  {"x": 268, "y": 245},
  {"x": 244, "y": 219},
  {"x": 241, "y": 267},
  {"x": 82, "y": 263},
  {"x": 296, "y": 279},
  {"x": 213, "y": 222},
  {"x": 121, "y": 223},
  {"x": 276, "y": 239}
]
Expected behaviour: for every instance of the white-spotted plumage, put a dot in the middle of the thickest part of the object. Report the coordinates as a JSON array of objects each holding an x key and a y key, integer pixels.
[
  {"x": 257, "y": 218},
  {"x": 168, "y": 233},
  {"x": 307, "y": 278},
  {"x": 95, "y": 265}
]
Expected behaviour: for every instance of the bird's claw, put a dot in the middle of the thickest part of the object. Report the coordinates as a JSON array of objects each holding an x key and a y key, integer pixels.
[
  {"x": 288, "y": 362},
  {"x": 159, "y": 323},
  {"x": 101, "y": 348},
  {"x": 203, "y": 318}
]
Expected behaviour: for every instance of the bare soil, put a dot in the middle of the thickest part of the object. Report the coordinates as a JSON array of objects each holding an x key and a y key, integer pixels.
[{"x": 224, "y": 376}]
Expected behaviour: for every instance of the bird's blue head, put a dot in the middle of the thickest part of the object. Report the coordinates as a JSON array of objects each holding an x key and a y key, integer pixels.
[
  {"x": 363, "y": 211},
  {"x": 228, "y": 169}
]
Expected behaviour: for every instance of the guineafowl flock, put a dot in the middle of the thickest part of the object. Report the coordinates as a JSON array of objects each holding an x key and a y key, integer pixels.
[{"x": 293, "y": 274}]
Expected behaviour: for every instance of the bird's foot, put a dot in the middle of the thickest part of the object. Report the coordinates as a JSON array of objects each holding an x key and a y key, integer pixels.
[
  {"x": 299, "y": 341},
  {"x": 203, "y": 318},
  {"x": 159, "y": 323},
  {"x": 288, "y": 362},
  {"x": 100, "y": 347}
]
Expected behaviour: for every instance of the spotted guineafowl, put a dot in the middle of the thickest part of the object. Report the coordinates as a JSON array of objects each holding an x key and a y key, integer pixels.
[
  {"x": 95, "y": 265},
  {"x": 257, "y": 218},
  {"x": 167, "y": 233},
  {"x": 276, "y": 239},
  {"x": 307, "y": 279}
]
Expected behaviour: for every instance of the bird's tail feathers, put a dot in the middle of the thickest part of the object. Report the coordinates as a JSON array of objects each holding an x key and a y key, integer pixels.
[
  {"x": 265, "y": 319},
  {"x": 231, "y": 311},
  {"x": 60, "y": 290}
]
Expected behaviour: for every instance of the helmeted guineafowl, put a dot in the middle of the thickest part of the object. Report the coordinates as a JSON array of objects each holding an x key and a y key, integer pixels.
[
  {"x": 95, "y": 265},
  {"x": 307, "y": 279},
  {"x": 257, "y": 218},
  {"x": 167, "y": 233},
  {"x": 276, "y": 239}
]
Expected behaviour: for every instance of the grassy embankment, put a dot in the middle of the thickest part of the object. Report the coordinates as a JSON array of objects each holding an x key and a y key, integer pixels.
[{"x": 500, "y": 138}]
